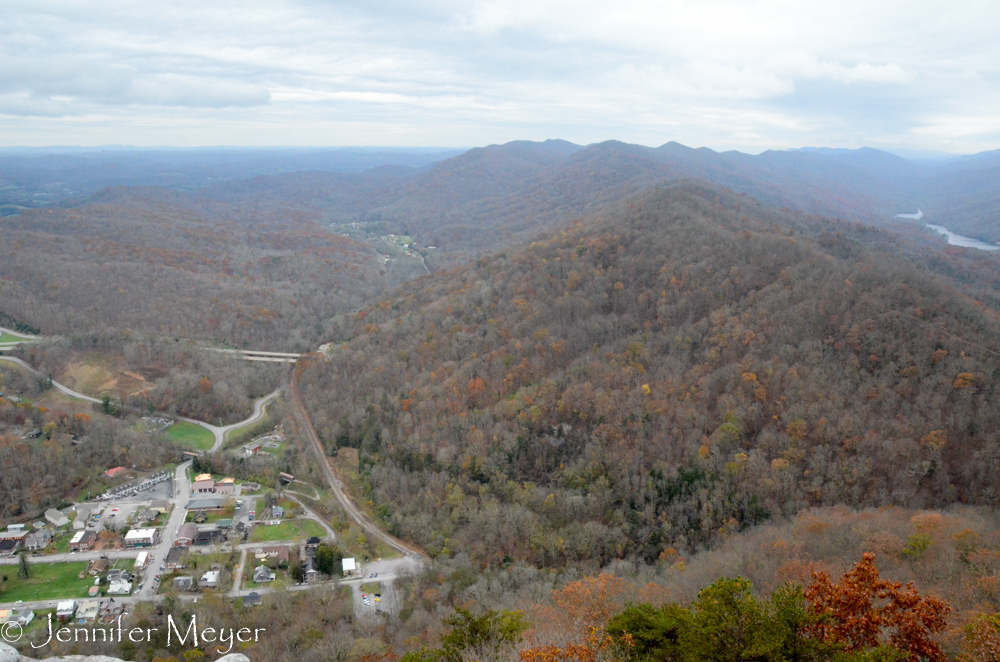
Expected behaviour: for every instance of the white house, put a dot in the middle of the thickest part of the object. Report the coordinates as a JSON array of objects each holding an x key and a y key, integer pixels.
[
  {"x": 65, "y": 609},
  {"x": 349, "y": 566},
  {"x": 119, "y": 587},
  {"x": 210, "y": 579}
]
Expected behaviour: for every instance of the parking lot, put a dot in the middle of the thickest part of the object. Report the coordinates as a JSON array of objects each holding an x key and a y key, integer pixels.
[{"x": 159, "y": 485}]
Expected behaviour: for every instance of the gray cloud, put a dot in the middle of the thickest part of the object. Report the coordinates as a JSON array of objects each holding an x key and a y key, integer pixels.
[{"x": 727, "y": 74}]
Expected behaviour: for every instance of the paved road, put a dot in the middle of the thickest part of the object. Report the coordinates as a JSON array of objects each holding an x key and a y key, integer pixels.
[
  {"x": 182, "y": 492},
  {"x": 258, "y": 413},
  {"x": 218, "y": 432},
  {"x": 309, "y": 513},
  {"x": 64, "y": 389}
]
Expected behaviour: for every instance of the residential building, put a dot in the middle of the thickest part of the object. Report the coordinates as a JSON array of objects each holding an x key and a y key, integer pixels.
[
  {"x": 203, "y": 484},
  {"x": 277, "y": 511},
  {"x": 262, "y": 574},
  {"x": 313, "y": 542},
  {"x": 6, "y": 615},
  {"x": 38, "y": 540},
  {"x": 142, "y": 538},
  {"x": 119, "y": 574},
  {"x": 97, "y": 567},
  {"x": 65, "y": 609},
  {"x": 160, "y": 506},
  {"x": 87, "y": 611},
  {"x": 82, "y": 541},
  {"x": 143, "y": 514},
  {"x": 183, "y": 583},
  {"x": 286, "y": 477},
  {"x": 15, "y": 527},
  {"x": 141, "y": 561},
  {"x": 176, "y": 558},
  {"x": 311, "y": 573},
  {"x": 23, "y": 615},
  {"x": 119, "y": 587},
  {"x": 252, "y": 600},
  {"x": 210, "y": 579},
  {"x": 275, "y": 556},
  {"x": 186, "y": 534}
]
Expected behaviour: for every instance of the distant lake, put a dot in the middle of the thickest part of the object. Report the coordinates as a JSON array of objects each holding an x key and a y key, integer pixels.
[{"x": 961, "y": 240}]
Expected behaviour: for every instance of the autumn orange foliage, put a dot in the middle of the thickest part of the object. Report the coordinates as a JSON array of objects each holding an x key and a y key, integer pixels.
[
  {"x": 594, "y": 647},
  {"x": 591, "y": 601},
  {"x": 864, "y": 611}
]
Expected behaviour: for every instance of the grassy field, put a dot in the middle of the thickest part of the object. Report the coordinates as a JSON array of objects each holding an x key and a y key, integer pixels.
[
  {"x": 6, "y": 337},
  {"x": 291, "y": 530},
  {"x": 191, "y": 436},
  {"x": 245, "y": 433},
  {"x": 51, "y": 580},
  {"x": 371, "y": 587},
  {"x": 346, "y": 464}
]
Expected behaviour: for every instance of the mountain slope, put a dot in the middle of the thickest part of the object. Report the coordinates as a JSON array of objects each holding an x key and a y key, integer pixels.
[{"x": 689, "y": 364}]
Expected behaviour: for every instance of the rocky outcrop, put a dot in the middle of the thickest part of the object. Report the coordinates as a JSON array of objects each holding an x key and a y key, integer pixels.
[{"x": 8, "y": 654}]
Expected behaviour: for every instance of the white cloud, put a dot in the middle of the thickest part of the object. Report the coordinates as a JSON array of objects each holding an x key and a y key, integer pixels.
[{"x": 726, "y": 73}]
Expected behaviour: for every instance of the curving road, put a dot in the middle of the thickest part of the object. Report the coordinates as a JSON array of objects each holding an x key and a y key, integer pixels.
[
  {"x": 219, "y": 433},
  {"x": 223, "y": 432}
]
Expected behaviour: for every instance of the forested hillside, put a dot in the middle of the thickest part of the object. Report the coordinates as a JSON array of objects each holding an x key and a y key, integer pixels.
[
  {"x": 256, "y": 261},
  {"x": 683, "y": 367},
  {"x": 167, "y": 263}
]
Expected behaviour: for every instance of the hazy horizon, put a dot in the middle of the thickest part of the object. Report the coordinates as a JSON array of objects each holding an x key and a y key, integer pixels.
[{"x": 910, "y": 154}]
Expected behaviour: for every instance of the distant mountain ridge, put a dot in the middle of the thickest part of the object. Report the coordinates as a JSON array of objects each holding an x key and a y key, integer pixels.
[{"x": 492, "y": 196}]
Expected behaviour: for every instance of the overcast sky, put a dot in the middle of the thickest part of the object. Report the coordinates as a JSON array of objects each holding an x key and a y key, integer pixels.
[{"x": 726, "y": 75}]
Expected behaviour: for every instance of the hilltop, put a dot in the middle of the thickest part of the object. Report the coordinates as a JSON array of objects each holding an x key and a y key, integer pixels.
[{"x": 683, "y": 366}]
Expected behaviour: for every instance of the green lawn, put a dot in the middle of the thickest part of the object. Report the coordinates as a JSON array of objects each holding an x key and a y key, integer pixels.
[
  {"x": 291, "y": 530},
  {"x": 62, "y": 543},
  {"x": 371, "y": 587},
  {"x": 190, "y": 435},
  {"x": 52, "y": 581},
  {"x": 6, "y": 337}
]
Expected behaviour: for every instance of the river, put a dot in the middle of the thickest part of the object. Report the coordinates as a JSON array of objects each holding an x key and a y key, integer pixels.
[{"x": 961, "y": 240}]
